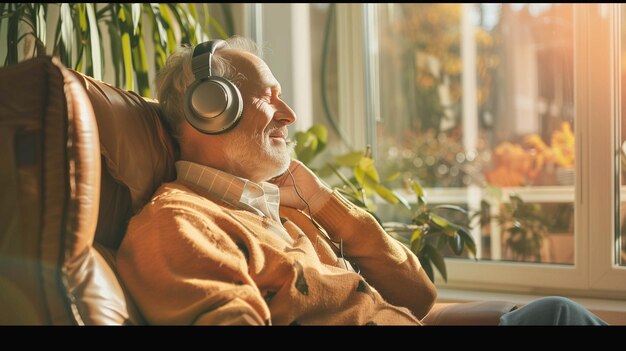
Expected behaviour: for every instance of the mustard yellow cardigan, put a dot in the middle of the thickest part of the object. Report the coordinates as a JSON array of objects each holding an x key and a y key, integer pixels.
[{"x": 188, "y": 259}]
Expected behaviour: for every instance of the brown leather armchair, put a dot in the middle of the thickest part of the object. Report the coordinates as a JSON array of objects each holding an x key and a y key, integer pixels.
[{"x": 78, "y": 158}]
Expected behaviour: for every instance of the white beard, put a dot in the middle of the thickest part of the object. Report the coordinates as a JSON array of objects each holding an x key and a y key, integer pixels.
[{"x": 254, "y": 157}]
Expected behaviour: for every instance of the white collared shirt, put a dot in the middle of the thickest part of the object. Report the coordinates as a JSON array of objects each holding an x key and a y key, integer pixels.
[{"x": 262, "y": 199}]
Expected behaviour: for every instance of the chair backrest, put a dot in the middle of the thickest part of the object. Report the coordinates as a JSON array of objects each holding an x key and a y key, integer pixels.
[{"x": 78, "y": 158}]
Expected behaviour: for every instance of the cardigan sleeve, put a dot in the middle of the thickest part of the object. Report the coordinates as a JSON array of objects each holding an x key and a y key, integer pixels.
[
  {"x": 182, "y": 268},
  {"x": 385, "y": 263}
]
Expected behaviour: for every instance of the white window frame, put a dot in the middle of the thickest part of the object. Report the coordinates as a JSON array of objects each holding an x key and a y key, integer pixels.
[
  {"x": 596, "y": 64},
  {"x": 283, "y": 33},
  {"x": 601, "y": 91}
]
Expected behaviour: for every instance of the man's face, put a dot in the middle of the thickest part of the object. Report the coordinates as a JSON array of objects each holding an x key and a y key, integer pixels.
[{"x": 258, "y": 148}]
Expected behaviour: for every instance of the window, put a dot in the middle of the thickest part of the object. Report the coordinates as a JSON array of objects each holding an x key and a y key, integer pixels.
[
  {"x": 477, "y": 103},
  {"x": 487, "y": 105},
  {"x": 484, "y": 101}
]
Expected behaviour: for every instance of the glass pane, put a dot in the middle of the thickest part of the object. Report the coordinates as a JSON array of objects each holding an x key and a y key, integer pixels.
[
  {"x": 477, "y": 104},
  {"x": 324, "y": 68},
  {"x": 621, "y": 235}
]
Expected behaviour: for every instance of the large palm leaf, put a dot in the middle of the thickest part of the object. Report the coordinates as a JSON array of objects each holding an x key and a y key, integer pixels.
[{"x": 78, "y": 39}]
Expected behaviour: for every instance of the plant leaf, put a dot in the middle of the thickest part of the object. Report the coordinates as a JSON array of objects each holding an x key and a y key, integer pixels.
[
  {"x": 135, "y": 11},
  {"x": 417, "y": 188},
  {"x": 192, "y": 17},
  {"x": 417, "y": 242},
  {"x": 428, "y": 268},
  {"x": 67, "y": 28},
  {"x": 218, "y": 28},
  {"x": 82, "y": 17},
  {"x": 402, "y": 200},
  {"x": 159, "y": 35},
  {"x": 128, "y": 64},
  {"x": 140, "y": 65},
  {"x": 41, "y": 23},
  {"x": 350, "y": 159},
  {"x": 386, "y": 194},
  {"x": 228, "y": 17},
  {"x": 306, "y": 144},
  {"x": 117, "y": 56},
  {"x": 322, "y": 136},
  {"x": 393, "y": 177},
  {"x": 3, "y": 16},
  {"x": 94, "y": 41},
  {"x": 12, "y": 31},
  {"x": 83, "y": 62},
  {"x": 419, "y": 191},
  {"x": 368, "y": 166},
  {"x": 158, "y": 25},
  {"x": 8, "y": 13},
  {"x": 187, "y": 36},
  {"x": 456, "y": 243},
  {"x": 440, "y": 221},
  {"x": 359, "y": 175},
  {"x": 344, "y": 179},
  {"x": 437, "y": 260},
  {"x": 205, "y": 17},
  {"x": 168, "y": 24},
  {"x": 468, "y": 240},
  {"x": 452, "y": 208},
  {"x": 320, "y": 131},
  {"x": 417, "y": 234},
  {"x": 442, "y": 240}
]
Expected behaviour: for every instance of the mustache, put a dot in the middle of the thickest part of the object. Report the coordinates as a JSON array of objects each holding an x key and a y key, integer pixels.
[
  {"x": 291, "y": 143},
  {"x": 281, "y": 130},
  {"x": 284, "y": 131}
]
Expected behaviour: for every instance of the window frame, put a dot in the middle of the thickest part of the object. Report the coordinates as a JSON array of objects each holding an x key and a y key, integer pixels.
[{"x": 596, "y": 92}]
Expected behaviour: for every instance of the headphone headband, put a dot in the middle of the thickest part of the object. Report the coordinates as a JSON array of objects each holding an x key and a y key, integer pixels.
[{"x": 203, "y": 57}]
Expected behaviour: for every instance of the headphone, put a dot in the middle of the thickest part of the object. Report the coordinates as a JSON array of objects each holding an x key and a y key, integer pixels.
[
  {"x": 213, "y": 104},
  {"x": 356, "y": 267}
]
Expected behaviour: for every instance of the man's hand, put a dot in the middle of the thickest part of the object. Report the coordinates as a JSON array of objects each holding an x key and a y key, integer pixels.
[{"x": 310, "y": 188}]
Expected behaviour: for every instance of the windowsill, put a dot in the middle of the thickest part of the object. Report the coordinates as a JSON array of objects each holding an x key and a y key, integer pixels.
[{"x": 612, "y": 311}]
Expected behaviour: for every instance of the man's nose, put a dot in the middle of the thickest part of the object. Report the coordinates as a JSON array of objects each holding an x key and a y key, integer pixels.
[{"x": 284, "y": 113}]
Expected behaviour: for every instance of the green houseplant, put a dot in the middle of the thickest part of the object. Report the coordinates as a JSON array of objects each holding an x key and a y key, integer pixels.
[
  {"x": 80, "y": 28},
  {"x": 525, "y": 225},
  {"x": 430, "y": 231}
]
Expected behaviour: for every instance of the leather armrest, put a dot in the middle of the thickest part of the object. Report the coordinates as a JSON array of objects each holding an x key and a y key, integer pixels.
[{"x": 468, "y": 313}]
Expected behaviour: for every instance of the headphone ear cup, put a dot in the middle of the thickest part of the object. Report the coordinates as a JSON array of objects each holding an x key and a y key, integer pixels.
[{"x": 213, "y": 105}]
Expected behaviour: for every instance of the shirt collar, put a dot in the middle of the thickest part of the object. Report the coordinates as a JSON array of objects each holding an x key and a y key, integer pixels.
[{"x": 262, "y": 198}]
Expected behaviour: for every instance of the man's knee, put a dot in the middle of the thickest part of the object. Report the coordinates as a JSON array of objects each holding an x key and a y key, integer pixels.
[
  {"x": 557, "y": 303},
  {"x": 564, "y": 311},
  {"x": 551, "y": 310},
  {"x": 557, "y": 306}
]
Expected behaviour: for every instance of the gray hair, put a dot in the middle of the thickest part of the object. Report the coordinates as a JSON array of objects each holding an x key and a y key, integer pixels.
[{"x": 173, "y": 79}]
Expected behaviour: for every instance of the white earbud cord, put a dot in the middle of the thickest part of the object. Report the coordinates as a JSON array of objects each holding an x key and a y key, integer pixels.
[{"x": 314, "y": 223}]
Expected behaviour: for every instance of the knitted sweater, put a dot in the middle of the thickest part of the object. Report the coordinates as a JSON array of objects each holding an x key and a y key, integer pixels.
[{"x": 188, "y": 258}]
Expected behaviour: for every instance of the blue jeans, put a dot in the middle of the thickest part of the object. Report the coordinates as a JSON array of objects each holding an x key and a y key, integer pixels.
[{"x": 551, "y": 310}]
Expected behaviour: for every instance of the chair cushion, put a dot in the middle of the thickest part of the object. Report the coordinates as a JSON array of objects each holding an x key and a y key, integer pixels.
[{"x": 137, "y": 154}]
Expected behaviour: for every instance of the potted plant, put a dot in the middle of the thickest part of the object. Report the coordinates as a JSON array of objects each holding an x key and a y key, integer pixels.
[
  {"x": 524, "y": 224},
  {"x": 428, "y": 234},
  {"x": 79, "y": 37}
]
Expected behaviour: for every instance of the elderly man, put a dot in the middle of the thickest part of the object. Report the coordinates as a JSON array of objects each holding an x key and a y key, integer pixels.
[{"x": 245, "y": 235}]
